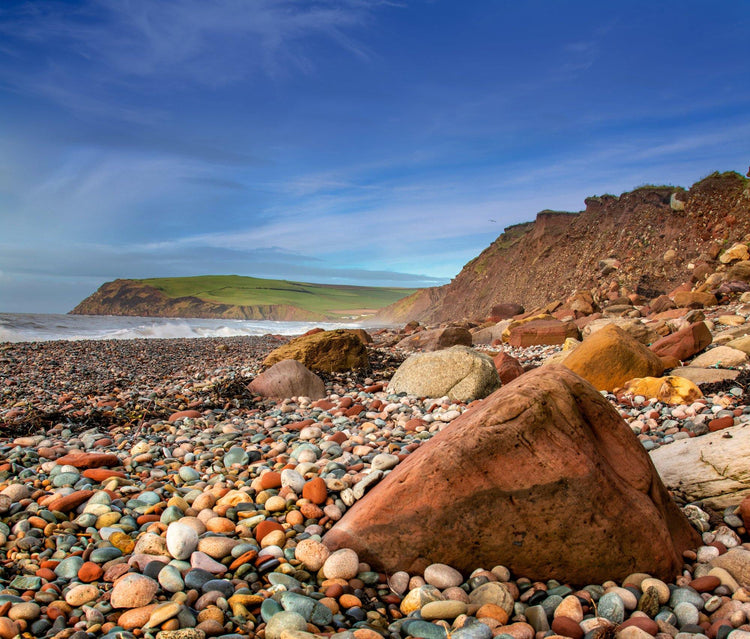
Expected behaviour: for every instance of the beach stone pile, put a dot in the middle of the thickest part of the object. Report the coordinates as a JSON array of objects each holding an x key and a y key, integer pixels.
[{"x": 157, "y": 498}]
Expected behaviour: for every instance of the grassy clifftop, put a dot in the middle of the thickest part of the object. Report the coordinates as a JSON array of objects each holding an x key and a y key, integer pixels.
[{"x": 237, "y": 297}]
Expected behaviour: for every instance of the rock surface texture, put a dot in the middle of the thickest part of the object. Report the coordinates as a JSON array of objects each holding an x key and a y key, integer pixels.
[
  {"x": 329, "y": 351},
  {"x": 288, "y": 378},
  {"x": 714, "y": 468},
  {"x": 610, "y": 357},
  {"x": 459, "y": 373},
  {"x": 540, "y": 477}
]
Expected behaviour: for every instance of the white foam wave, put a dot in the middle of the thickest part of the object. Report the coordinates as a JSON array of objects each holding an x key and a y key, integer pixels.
[{"x": 39, "y": 327}]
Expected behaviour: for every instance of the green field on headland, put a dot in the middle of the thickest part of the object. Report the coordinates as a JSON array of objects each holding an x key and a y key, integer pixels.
[{"x": 326, "y": 299}]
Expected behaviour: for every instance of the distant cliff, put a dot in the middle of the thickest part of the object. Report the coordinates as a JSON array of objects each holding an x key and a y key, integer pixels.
[
  {"x": 131, "y": 297},
  {"x": 646, "y": 241}
]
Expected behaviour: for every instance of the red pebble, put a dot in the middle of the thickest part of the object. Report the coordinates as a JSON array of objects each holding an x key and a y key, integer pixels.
[
  {"x": 89, "y": 572},
  {"x": 271, "y": 479},
  {"x": 720, "y": 423},
  {"x": 315, "y": 490}
]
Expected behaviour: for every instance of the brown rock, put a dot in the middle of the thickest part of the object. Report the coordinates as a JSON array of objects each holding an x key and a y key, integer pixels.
[
  {"x": 543, "y": 477},
  {"x": 133, "y": 591},
  {"x": 694, "y": 299},
  {"x": 437, "y": 339},
  {"x": 661, "y": 304},
  {"x": 684, "y": 343},
  {"x": 611, "y": 357},
  {"x": 185, "y": 414},
  {"x": 329, "y": 351},
  {"x": 505, "y": 310},
  {"x": 567, "y": 627},
  {"x": 288, "y": 378},
  {"x": 543, "y": 332},
  {"x": 69, "y": 502},
  {"x": 745, "y": 511},
  {"x": 508, "y": 367},
  {"x": 315, "y": 490},
  {"x": 88, "y": 460}
]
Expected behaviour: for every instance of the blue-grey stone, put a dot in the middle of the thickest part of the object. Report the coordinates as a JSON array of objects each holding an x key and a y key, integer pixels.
[
  {"x": 310, "y": 609},
  {"x": 422, "y": 629},
  {"x": 68, "y": 568},
  {"x": 105, "y": 554},
  {"x": 680, "y": 595},
  {"x": 280, "y": 579},
  {"x": 197, "y": 577},
  {"x": 236, "y": 455},
  {"x": 537, "y": 618},
  {"x": 611, "y": 607},
  {"x": 686, "y": 613},
  {"x": 26, "y": 582},
  {"x": 550, "y": 604},
  {"x": 269, "y": 608},
  {"x": 224, "y": 586},
  {"x": 475, "y": 630}
]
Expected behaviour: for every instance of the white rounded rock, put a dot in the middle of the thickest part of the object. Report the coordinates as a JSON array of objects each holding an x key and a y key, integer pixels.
[{"x": 182, "y": 540}]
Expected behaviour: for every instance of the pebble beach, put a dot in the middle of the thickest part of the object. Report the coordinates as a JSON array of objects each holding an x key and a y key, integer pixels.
[{"x": 145, "y": 492}]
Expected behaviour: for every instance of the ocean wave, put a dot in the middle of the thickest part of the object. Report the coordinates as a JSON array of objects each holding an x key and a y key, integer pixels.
[{"x": 40, "y": 327}]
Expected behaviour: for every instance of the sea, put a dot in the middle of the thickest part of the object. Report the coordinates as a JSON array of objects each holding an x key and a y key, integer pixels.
[{"x": 38, "y": 327}]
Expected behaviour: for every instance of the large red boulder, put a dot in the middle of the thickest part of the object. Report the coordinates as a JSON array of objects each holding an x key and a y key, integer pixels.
[
  {"x": 684, "y": 343},
  {"x": 543, "y": 476}
]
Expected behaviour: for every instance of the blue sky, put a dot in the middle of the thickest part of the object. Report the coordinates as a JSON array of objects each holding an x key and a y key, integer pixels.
[{"x": 341, "y": 141}]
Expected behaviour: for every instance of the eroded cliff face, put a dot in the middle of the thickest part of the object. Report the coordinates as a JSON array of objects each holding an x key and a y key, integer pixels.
[
  {"x": 130, "y": 297},
  {"x": 560, "y": 253}
]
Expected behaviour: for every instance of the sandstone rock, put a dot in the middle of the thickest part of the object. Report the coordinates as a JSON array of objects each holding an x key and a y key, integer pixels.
[
  {"x": 490, "y": 334},
  {"x": 88, "y": 460},
  {"x": 670, "y": 390},
  {"x": 610, "y": 357},
  {"x": 720, "y": 356},
  {"x": 661, "y": 304},
  {"x": 633, "y": 327},
  {"x": 543, "y": 477},
  {"x": 329, "y": 351},
  {"x": 288, "y": 378},
  {"x": 505, "y": 311},
  {"x": 458, "y": 372},
  {"x": 704, "y": 375},
  {"x": 740, "y": 271},
  {"x": 694, "y": 299},
  {"x": 508, "y": 367},
  {"x": 545, "y": 332},
  {"x": 684, "y": 343},
  {"x": 736, "y": 253},
  {"x": 713, "y": 468},
  {"x": 736, "y": 561},
  {"x": 437, "y": 339},
  {"x": 741, "y": 344}
]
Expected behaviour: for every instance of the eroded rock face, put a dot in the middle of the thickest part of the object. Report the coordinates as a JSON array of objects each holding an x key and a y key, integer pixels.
[
  {"x": 610, "y": 357},
  {"x": 459, "y": 373},
  {"x": 543, "y": 477},
  {"x": 437, "y": 339},
  {"x": 288, "y": 378},
  {"x": 329, "y": 351},
  {"x": 684, "y": 343}
]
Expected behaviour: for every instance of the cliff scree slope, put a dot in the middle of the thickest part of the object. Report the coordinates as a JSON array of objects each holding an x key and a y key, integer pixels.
[{"x": 559, "y": 253}]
